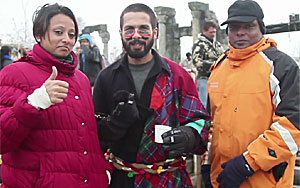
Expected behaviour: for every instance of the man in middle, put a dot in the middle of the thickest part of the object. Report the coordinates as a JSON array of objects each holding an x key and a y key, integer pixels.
[{"x": 142, "y": 90}]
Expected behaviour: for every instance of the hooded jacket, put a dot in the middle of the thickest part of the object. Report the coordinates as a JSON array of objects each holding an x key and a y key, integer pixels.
[
  {"x": 55, "y": 147},
  {"x": 255, "y": 99},
  {"x": 90, "y": 59}
]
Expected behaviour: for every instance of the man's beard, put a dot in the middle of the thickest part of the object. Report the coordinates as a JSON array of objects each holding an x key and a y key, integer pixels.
[{"x": 137, "y": 53}]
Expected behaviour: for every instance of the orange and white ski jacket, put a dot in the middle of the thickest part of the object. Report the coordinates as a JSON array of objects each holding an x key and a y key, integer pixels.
[{"x": 255, "y": 103}]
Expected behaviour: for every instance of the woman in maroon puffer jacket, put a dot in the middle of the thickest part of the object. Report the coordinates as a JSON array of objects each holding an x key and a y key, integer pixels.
[{"x": 48, "y": 129}]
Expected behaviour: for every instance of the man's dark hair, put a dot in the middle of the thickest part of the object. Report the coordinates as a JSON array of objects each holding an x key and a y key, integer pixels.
[
  {"x": 42, "y": 16},
  {"x": 139, "y": 7},
  {"x": 209, "y": 24}
]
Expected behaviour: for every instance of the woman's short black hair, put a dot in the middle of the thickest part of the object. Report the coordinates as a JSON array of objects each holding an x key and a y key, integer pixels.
[{"x": 42, "y": 16}]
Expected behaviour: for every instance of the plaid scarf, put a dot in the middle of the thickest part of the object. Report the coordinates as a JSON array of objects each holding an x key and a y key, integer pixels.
[{"x": 173, "y": 107}]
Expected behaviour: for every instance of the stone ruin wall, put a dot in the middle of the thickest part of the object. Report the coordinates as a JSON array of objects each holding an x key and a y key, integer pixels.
[{"x": 168, "y": 43}]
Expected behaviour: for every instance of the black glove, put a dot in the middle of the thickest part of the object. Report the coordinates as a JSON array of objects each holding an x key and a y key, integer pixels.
[
  {"x": 125, "y": 107},
  {"x": 180, "y": 140},
  {"x": 113, "y": 127},
  {"x": 235, "y": 172},
  {"x": 205, "y": 172}
]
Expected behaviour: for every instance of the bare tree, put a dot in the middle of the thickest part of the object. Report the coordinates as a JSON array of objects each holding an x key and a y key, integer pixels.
[
  {"x": 81, "y": 23},
  {"x": 21, "y": 35}
]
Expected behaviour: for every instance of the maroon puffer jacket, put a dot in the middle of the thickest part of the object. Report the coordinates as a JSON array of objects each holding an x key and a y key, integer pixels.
[{"x": 56, "y": 147}]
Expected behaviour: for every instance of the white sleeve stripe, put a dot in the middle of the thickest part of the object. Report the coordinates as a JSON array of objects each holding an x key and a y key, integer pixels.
[
  {"x": 287, "y": 137},
  {"x": 274, "y": 82}
]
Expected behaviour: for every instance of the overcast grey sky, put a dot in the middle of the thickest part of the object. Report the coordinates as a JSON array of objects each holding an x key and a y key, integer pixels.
[{"x": 13, "y": 13}]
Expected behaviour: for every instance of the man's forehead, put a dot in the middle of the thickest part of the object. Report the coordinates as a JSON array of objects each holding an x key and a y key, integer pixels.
[
  {"x": 136, "y": 18},
  {"x": 137, "y": 25}
]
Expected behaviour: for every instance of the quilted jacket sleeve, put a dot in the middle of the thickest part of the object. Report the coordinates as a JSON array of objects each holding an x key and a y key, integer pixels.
[{"x": 17, "y": 117}]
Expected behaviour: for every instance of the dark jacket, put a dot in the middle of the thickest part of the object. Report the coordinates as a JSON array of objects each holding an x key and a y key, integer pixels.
[
  {"x": 90, "y": 62},
  {"x": 168, "y": 97},
  {"x": 205, "y": 52},
  {"x": 6, "y": 60}
]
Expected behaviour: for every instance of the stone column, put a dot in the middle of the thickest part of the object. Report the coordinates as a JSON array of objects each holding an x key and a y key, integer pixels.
[
  {"x": 166, "y": 19},
  {"x": 105, "y": 38},
  {"x": 162, "y": 30},
  {"x": 162, "y": 33},
  {"x": 197, "y": 9}
]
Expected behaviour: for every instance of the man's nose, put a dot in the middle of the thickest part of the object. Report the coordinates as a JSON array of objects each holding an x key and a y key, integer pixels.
[
  {"x": 241, "y": 30},
  {"x": 136, "y": 34}
]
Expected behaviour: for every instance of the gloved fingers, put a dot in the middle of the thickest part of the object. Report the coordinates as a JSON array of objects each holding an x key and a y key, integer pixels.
[
  {"x": 131, "y": 99},
  {"x": 171, "y": 139},
  {"x": 220, "y": 176},
  {"x": 120, "y": 106},
  {"x": 176, "y": 153},
  {"x": 121, "y": 96},
  {"x": 224, "y": 165},
  {"x": 170, "y": 133},
  {"x": 223, "y": 185},
  {"x": 169, "y": 147}
]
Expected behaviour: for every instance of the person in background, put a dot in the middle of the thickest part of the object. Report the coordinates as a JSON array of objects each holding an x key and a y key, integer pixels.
[
  {"x": 90, "y": 59},
  {"x": 23, "y": 52},
  {"x": 205, "y": 51},
  {"x": 188, "y": 65},
  {"x": 48, "y": 128},
  {"x": 5, "y": 56},
  {"x": 143, "y": 90},
  {"x": 254, "y": 98}
]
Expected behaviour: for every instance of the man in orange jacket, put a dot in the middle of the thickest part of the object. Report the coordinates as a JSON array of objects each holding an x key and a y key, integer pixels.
[{"x": 254, "y": 98}]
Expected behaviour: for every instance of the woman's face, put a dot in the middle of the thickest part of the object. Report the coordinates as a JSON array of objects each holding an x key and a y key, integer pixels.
[{"x": 60, "y": 37}]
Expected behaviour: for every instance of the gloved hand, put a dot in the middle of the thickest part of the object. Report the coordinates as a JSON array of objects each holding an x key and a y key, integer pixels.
[
  {"x": 180, "y": 140},
  {"x": 235, "y": 172},
  {"x": 125, "y": 107},
  {"x": 205, "y": 172}
]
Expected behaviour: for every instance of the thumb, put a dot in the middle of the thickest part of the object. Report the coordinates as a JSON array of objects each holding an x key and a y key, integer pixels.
[{"x": 54, "y": 73}]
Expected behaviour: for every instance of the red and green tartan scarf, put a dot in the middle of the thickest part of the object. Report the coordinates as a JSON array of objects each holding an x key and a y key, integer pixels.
[{"x": 173, "y": 107}]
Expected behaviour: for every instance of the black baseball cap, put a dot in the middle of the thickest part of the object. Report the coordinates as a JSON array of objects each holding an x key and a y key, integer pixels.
[{"x": 244, "y": 11}]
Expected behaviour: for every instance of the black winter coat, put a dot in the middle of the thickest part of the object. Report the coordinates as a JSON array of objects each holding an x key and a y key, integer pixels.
[
  {"x": 90, "y": 62},
  {"x": 124, "y": 143}
]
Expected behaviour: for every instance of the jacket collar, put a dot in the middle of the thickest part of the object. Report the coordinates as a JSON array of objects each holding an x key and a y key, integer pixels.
[
  {"x": 208, "y": 39},
  {"x": 237, "y": 56},
  {"x": 40, "y": 57}
]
